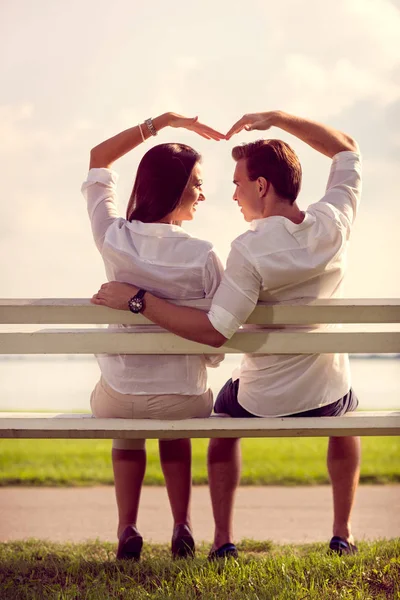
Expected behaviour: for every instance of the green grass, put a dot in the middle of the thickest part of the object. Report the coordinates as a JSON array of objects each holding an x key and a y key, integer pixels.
[
  {"x": 284, "y": 461},
  {"x": 38, "y": 570}
]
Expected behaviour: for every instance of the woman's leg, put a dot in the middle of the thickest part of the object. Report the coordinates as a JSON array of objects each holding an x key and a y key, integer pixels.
[
  {"x": 176, "y": 458},
  {"x": 129, "y": 466},
  {"x": 128, "y": 456}
]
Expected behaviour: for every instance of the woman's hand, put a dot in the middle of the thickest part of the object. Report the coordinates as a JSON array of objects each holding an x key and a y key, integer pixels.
[
  {"x": 115, "y": 295},
  {"x": 193, "y": 124},
  {"x": 260, "y": 121}
]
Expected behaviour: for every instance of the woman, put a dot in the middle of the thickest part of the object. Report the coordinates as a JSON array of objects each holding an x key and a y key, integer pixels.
[{"x": 150, "y": 249}]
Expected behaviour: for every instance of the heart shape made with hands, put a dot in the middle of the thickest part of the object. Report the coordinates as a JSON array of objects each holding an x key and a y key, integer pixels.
[{"x": 249, "y": 122}]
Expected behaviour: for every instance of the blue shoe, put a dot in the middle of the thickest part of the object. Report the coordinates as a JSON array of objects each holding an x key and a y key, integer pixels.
[
  {"x": 341, "y": 546},
  {"x": 225, "y": 551}
]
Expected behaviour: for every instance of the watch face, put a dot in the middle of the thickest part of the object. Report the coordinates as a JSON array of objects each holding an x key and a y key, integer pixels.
[{"x": 136, "y": 304}]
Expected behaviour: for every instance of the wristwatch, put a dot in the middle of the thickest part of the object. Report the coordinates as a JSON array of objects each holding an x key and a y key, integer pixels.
[{"x": 136, "y": 303}]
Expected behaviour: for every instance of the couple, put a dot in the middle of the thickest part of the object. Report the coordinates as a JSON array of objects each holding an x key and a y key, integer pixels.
[{"x": 286, "y": 255}]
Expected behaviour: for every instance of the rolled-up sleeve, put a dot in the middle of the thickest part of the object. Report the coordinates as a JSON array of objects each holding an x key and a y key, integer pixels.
[
  {"x": 100, "y": 193},
  {"x": 237, "y": 295}
]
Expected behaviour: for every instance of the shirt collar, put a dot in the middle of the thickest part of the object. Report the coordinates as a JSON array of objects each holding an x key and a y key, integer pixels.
[
  {"x": 258, "y": 224},
  {"x": 157, "y": 229}
]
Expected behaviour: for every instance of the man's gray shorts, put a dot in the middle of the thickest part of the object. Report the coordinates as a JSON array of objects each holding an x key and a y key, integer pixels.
[{"x": 227, "y": 403}]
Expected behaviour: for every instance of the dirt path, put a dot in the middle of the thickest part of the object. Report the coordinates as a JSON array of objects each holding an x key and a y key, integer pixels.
[{"x": 284, "y": 515}]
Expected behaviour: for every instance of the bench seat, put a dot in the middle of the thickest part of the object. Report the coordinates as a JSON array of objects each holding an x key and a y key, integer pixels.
[{"x": 81, "y": 426}]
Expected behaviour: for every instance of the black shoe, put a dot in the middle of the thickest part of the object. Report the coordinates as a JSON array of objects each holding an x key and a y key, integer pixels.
[
  {"x": 341, "y": 546},
  {"x": 130, "y": 544},
  {"x": 225, "y": 551},
  {"x": 182, "y": 544}
]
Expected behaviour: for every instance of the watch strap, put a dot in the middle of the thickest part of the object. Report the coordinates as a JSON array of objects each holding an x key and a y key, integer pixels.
[{"x": 140, "y": 294}]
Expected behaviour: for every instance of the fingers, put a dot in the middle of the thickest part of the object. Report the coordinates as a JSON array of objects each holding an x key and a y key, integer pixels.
[
  {"x": 251, "y": 122},
  {"x": 237, "y": 127},
  {"x": 264, "y": 125},
  {"x": 97, "y": 300},
  {"x": 208, "y": 132},
  {"x": 200, "y": 131}
]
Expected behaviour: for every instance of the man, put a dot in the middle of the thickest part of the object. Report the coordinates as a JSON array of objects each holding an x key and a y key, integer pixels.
[{"x": 286, "y": 255}]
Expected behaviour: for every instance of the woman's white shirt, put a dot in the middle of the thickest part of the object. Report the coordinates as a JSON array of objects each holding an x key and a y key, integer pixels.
[{"x": 165, "y": 260}]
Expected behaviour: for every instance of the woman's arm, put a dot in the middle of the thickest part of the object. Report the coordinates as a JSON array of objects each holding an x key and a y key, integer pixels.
[{"x": 103, "y": 155}]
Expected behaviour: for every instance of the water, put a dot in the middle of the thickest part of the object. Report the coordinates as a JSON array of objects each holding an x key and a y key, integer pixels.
[{"x": 64, "y": 383}]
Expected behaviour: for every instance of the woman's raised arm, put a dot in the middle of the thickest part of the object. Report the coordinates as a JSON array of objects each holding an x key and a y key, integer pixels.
[{"x": 103, "y": 155}]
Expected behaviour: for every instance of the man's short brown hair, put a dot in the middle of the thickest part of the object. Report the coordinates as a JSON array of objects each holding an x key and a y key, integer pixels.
[{"x": 276, "y": 162}]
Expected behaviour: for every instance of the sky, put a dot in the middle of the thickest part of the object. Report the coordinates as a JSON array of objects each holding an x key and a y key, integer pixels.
[{"x": 75, "y": 73}]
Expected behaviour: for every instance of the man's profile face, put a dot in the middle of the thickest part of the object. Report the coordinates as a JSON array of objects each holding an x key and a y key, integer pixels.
[{"x": 246, "y": 193}]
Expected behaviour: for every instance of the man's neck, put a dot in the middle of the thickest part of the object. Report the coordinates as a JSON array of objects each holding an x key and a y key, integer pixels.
[{"x": 289, "y": 211}]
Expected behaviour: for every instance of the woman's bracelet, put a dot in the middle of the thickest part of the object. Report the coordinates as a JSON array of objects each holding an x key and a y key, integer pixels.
[
  {"x": 141, "y": 132},
  {"x": 150, "y": 126}
]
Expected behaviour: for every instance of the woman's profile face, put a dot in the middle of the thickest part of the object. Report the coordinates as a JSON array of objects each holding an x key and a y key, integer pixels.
[{"x": 191, "y": 196}]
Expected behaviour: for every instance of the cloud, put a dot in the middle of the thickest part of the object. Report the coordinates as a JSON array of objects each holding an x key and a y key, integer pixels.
[
  {"x": 322, "y": 92},
  {"x": 334, "y": 61},
  {"x": 11, "y": 132}
]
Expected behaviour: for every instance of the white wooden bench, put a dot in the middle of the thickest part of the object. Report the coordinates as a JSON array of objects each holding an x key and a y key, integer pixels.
[{"x": 92, "y": 340}]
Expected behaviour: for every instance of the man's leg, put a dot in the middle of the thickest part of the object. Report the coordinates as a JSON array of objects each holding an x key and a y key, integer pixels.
[
  {"x": 343, "y": 465},
  {"x": 344, "y": 470},
  {"x": 224, "y": 466}
]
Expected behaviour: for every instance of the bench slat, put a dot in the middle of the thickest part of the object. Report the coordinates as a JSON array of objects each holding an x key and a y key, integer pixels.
[
  {"x": 92, "y": 341},
  {"x": 36, "y": 425},
  {"x": 80, "y": 311}
]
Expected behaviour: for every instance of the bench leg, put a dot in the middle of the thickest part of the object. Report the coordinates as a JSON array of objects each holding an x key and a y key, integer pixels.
[{"x": 344, "y": 470}]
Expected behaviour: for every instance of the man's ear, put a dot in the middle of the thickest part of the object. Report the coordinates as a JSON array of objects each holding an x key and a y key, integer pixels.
[{"x": 263, "y": 185}]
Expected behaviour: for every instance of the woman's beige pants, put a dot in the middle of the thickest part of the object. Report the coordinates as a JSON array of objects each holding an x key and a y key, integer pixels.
[{"x": 107, "y": 403}]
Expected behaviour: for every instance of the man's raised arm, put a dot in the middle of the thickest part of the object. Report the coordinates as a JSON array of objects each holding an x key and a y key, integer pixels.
[
  {"x": 324, "y": 139},
  {"x": 190, "y": 323}
]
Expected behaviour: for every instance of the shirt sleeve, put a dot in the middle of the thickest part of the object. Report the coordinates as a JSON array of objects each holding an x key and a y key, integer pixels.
[
  {"x": 343, "y": 190},
  {"x": 237, "y": 295},
  {"x": 214, "y": 271},
  {"x": 100, "y": 192}
]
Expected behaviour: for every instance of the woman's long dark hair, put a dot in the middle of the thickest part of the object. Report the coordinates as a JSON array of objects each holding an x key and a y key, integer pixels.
[{"x": 161, "y": 177}]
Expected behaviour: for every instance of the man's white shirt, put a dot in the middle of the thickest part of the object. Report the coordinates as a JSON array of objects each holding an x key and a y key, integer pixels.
[
  {"x": 165, "y": 260},
  {"x": 279, "y": 261}
]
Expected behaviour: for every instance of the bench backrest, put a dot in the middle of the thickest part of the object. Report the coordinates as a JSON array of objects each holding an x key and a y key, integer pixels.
[
  {"x": 284, "y": 336},
  {"x": 289, "y": 340}
]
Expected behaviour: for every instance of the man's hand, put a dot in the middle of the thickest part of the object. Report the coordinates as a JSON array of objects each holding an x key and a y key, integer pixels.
[
  {"x": 115, "y": 295},
  {"x": 193, "y": 124},
  {"x": 190, "y": 323},
  {"x": 260, "y": 121}
]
